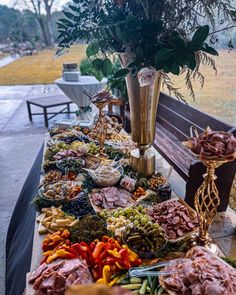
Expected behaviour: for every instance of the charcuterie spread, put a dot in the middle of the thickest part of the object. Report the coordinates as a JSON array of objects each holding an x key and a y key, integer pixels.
[{"x": 104, "y": 223}]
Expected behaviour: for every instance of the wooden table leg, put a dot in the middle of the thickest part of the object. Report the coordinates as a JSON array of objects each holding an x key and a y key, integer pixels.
[
  {"x": 29, "y": 110},
  {"x": 45, "y": 117}
]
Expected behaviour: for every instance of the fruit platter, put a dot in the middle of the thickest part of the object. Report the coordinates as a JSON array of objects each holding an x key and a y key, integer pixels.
[{"x": 100, "y": 222}]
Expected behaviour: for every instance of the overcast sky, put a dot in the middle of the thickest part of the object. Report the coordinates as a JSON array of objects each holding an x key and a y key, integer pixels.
[{"x": 11, "y": 2}]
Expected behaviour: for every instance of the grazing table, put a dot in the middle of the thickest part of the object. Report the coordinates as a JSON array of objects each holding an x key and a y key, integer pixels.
[{"x": 23, "y": 246}]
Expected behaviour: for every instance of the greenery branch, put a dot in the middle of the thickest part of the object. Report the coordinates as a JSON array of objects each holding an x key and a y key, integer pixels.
[{"x": 166, "y": 35}]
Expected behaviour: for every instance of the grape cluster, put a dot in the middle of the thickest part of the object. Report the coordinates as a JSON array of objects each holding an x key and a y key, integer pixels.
[
  {"x": 79, "y": 207},
  {"x": 137, "y": 215},
  {"x": 93, "y": 148}
]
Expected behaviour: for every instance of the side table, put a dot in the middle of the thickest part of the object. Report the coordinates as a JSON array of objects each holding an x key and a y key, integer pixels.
[{"x": 49, "y": 102}]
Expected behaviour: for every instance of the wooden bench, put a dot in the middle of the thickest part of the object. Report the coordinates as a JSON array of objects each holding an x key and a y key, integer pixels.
[
  {"x": 49, "y": 102},
  {"x": 173, "y": 123}
]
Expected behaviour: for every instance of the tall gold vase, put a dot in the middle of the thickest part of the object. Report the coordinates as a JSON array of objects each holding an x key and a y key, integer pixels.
[{"x": 143, "y": 103}]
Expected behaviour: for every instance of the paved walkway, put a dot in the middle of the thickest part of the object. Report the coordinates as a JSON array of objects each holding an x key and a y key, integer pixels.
[{"x": 7, "y": 60}]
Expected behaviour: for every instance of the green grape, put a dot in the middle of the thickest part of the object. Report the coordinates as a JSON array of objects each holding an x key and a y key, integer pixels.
[
  {"x": 116, "y": 214},
  {"x": 143, "y": 220},
  {"x": 131, "y": 218},
  {"x": 136, "y": 223},
  {"x": 140, "y": 208},
  {"x": 127, "y": 210},
  {"x": 156, "y": 225},
  {"x": 137, "y": 217},
  {"x": 103, "y": 214}
]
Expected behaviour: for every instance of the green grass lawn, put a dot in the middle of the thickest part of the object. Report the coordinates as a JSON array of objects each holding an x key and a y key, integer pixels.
[
  {"x": 42, "y": 68},
  {"x": 218, "y": 97}
]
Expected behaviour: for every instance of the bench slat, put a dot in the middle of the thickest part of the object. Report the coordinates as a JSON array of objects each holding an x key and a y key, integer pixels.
[
  {"x": 195, "y": 116},
  {"x": 170, "y": 149},
  {"x": 175, "y": 123}
]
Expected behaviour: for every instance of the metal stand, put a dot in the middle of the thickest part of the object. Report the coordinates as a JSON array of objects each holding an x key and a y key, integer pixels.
[{"x": 206, "y": 201}]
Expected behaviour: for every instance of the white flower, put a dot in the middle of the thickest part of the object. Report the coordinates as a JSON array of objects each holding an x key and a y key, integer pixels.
[{"x": 146, "y": 76}]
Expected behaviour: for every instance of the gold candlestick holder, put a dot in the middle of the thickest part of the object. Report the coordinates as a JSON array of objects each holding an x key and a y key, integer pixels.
[
  {"x": 101, "y": 125},
  {"x": 206, "y": 202}
]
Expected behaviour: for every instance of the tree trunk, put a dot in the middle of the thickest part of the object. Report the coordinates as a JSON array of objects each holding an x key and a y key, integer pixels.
[
  {"x": 41, "y": 24},
  {"x": 48, "y": 7},
  {"x": 50, "y": 31}
]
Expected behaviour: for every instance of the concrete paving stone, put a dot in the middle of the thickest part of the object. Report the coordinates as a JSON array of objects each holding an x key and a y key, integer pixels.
[
  {"x": 7, "y": 110},
  {"x": 227, "y": 245},
  {"x": 15, "y": 164},
  {"x": 20, "y": 122},
  {"x": 14, "y": 92}
]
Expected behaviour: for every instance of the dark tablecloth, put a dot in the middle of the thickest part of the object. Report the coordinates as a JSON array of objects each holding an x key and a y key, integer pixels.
[{"x": 20, "y": 233}]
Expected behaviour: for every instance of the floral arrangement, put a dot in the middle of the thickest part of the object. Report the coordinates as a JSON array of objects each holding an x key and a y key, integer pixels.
[{"x": 171, "y": 36}]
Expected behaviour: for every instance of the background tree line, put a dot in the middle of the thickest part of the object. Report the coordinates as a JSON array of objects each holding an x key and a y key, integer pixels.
[
  {"x": 37, "y": 22},
  {"x": 30, "y": 24}
]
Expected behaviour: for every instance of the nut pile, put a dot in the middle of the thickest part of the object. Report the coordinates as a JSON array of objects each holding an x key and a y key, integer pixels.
[
  {"x": 52, "y": 176},
  {"x": 155, "y": 181},
  {"x": 174, "y": 218},
  {"x": 54, "y": 219},
  {"x": 61, "y": 190},
  {"x": 140, "y": 191}
]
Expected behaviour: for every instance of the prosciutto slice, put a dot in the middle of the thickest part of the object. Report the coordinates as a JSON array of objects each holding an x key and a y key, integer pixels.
[
  {"x": 200, "y": 274},
  {"x": 213, "y": 144},
  {"x": 111, "y": 198},
  {"x": 53, "y": 279}
]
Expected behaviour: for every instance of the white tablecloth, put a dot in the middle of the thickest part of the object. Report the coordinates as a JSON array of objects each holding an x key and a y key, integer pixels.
[{"x": 74, "y": 90}]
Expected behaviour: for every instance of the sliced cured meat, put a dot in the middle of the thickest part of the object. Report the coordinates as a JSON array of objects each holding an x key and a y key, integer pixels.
[
  {"x": 111, "y": 198},
  {"x": 37, "y": 273},
  {"x": 201, "y": 274},
  {"x": 68, "y": 268},
  {"x": 49, "y": 282},
  {"x": 54, "y": 278},
  {"x": 213, "y": 144},
  {"x": 174, "y": 218}
]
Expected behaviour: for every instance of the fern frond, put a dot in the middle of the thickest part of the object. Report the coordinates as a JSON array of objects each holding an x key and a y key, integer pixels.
[
  {"x": 207, "y": 61},
  {"x": 188, "y": 83},
  {"x": 166, "y": 82}
]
